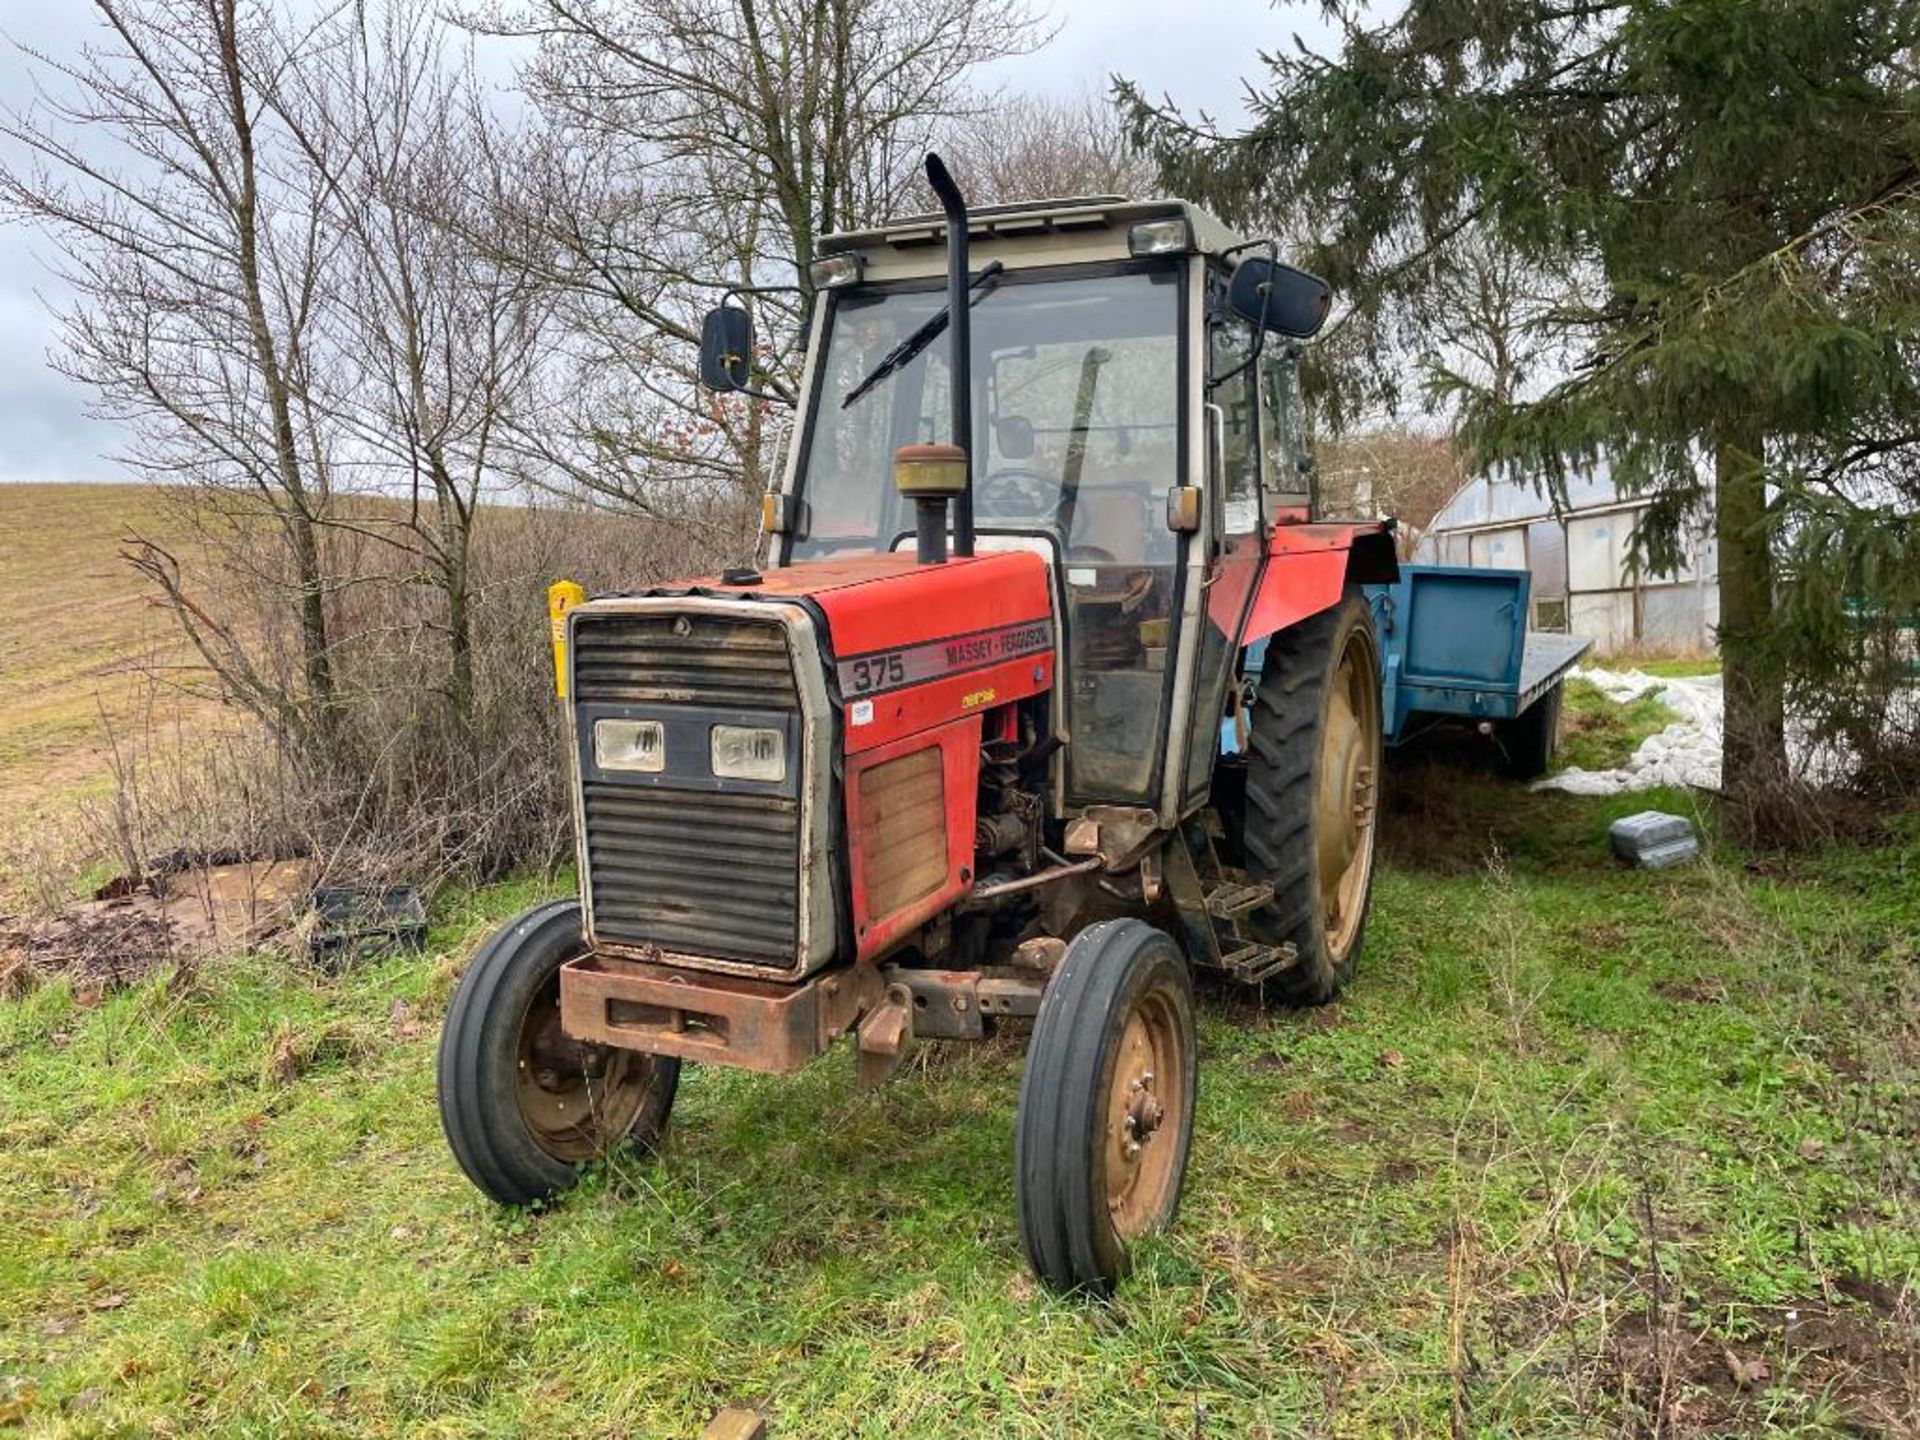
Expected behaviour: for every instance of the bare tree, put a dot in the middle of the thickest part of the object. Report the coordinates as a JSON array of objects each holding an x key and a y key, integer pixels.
[
  {"x": 693, "y": 145},
  {"x": 1390, "y": 470},
  {"x": 1488, "y": 324},
  {"x": 196, "y": 279},
  {"x": 1031, "y": 147},
  {"x": 433, "y": 341}
]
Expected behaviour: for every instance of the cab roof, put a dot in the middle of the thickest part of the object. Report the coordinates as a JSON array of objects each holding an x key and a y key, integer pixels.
[{"x": 1025, "y": 233}]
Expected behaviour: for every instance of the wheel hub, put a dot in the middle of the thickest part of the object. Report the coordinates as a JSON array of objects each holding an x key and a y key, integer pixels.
[
  {"x": 1144, "y": 1114},
  {"x": 577, "y": 1098},
  {"x": 560, "y": 1062}
]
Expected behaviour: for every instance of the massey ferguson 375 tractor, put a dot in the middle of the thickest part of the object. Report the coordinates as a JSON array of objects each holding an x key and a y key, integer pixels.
[{"x": 985, "y": 743}]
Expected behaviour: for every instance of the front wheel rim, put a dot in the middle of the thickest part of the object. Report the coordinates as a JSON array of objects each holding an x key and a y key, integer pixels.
[
  {"x": 576, "y": 1100},
  {"x": 1145, "y": 1115}
]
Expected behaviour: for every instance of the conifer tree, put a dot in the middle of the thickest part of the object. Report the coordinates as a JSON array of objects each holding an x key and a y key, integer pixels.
[{"x": 1731, "y": 189}]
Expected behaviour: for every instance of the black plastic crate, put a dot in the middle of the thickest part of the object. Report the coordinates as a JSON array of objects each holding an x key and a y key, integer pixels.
[{"x": 350, "y": 922}]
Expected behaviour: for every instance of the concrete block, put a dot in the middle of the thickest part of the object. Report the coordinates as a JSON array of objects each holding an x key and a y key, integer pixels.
[{"x": 1654, "y": 840}]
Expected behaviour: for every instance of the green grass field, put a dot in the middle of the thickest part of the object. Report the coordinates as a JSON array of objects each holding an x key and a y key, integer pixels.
[
  {"x": 1673, "y": 666},
  {"x": 1583, "y": 1151}
]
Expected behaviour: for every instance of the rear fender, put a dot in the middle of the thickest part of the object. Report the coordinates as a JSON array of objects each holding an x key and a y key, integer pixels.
[{"x": 1309, "y": 568}]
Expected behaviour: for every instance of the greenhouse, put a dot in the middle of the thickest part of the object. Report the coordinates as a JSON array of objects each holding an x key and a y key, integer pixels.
[{"x": 1580, "y": 555}]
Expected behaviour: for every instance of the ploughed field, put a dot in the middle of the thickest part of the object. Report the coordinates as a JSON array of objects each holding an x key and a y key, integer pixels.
[
  {"x": 84, "y": 661},
  {"x": 1582, "y": 1151},
  {"x": 78, "y": 629}
]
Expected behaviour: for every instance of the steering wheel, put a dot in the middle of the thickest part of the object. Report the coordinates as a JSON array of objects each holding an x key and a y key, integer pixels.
[{"x": 1015, "y": 491}]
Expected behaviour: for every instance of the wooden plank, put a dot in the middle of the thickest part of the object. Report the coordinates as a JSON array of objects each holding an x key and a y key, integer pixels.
[{"x": 736, "y": 1422}]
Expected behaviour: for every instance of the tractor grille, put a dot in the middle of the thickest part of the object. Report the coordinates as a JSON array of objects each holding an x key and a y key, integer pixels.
[
  {"x": 693, "y": 871},
  {"x": 739, "y": 664}
]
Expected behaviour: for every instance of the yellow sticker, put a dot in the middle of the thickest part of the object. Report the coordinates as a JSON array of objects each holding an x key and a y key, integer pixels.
[{"x": 977, "y": 699}]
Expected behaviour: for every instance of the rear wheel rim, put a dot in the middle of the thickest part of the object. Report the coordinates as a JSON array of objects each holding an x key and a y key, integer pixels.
[
  {"x": 577, "y": 1100},
  {"x": 1146, "y": 1109},
  {"x": 1347, "y": 800}
]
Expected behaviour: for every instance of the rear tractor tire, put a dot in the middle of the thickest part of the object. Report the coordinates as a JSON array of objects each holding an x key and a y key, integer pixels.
[
  {"x": 1313, "y": 796},
  {"x": 523, "y": 1105},
  {"x": 1106, "y": 1105}
]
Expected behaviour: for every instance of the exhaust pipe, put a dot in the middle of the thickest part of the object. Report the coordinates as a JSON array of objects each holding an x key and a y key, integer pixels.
[{"x": 960, "y": 338}]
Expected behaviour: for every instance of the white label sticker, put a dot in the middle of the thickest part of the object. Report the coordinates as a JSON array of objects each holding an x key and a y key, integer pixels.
[
  {"x": 1083, "y": 577},
  {"x": 861, "y": 713}
]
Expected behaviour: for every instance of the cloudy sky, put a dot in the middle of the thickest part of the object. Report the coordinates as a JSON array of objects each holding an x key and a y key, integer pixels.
[{"x": 46, "y": 434}]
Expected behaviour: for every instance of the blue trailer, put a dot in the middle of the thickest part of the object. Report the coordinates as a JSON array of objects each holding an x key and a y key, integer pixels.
[{"x": 1454, "y": 646}]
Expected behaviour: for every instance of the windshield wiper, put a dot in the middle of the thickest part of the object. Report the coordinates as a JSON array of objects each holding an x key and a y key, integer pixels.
[{"x": 902, "y": 354}]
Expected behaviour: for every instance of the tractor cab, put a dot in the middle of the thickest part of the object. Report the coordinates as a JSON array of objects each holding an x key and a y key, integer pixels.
[{"x": 1134, "y": 420}]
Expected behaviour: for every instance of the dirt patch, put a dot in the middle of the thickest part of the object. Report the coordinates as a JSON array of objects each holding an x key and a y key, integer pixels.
[
  {"x": 1443, "y": 816},
  {"x": 1886, "y": 1301},
  {"x": 134, "y": 930},
  {"x": 98, "y": 948},
  {"x": 1693, "y": 990},
  {"x": 1695, "y": 1381},
  {"x": 1399, "y": 1171}
]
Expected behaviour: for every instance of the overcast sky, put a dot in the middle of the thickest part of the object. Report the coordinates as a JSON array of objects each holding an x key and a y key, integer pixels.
[{"x": 45, "y": 433}]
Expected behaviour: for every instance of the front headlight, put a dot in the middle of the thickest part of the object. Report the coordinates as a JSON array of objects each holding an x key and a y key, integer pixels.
[
  {"x": 630, "y": 745},
  {"x": 743, "y": 752}
]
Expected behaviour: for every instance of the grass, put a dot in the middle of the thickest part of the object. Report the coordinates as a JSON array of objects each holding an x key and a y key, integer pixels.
[
  {"x": 1598, "y": 734},
  {"x": 1666, "y": 665},
  {"x": 1677, "y": 668},
  {"x": 1582, "y": 1150}
]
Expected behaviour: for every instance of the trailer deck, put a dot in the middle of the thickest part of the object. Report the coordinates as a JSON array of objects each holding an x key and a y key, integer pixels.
[{"x": 1547, "y": 659}]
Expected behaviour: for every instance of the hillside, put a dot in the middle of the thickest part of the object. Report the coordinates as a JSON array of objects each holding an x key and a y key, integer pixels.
[{"x": 79, "y": 639}]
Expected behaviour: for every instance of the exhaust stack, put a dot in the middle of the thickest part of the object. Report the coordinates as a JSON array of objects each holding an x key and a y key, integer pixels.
[{"x": 960, "y": 339}]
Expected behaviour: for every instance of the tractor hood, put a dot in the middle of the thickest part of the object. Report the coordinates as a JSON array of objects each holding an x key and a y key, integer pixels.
[{"x": 913, "y": 646}]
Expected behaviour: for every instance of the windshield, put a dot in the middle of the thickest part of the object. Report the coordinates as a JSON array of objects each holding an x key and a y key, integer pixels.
[{"x": 1079, "y": 432}]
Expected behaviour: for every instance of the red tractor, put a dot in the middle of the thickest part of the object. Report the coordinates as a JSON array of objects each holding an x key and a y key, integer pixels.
[{"x": 978, "y": 748}]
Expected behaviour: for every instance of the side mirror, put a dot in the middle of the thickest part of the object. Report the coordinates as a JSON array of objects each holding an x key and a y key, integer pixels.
[
  {"x": 1014, "y": 436},
  {"x": 726, "y": 349},
  {"x": 1287, "y": 301}
]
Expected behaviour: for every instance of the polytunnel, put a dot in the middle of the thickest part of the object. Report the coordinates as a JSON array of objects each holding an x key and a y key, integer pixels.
[{"x": 1580, "y": 556}]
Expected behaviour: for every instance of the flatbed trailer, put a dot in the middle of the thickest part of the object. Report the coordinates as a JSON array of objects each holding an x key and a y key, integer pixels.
[{"x": 1454, "y": 645}]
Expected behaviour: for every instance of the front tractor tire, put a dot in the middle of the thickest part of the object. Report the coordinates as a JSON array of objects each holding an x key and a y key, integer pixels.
[
  {"x": 523, "y": 1105},
  {"x": 1106, "y": 1105},
  {"x": 1313, "y": 792}
]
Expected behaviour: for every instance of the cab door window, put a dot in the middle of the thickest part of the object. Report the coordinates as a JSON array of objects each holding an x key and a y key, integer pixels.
[
  {"x": 1238, "y": 540},
  {"x": 1284, "y": 462},
  {"x": 1238, "y": 484}
]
